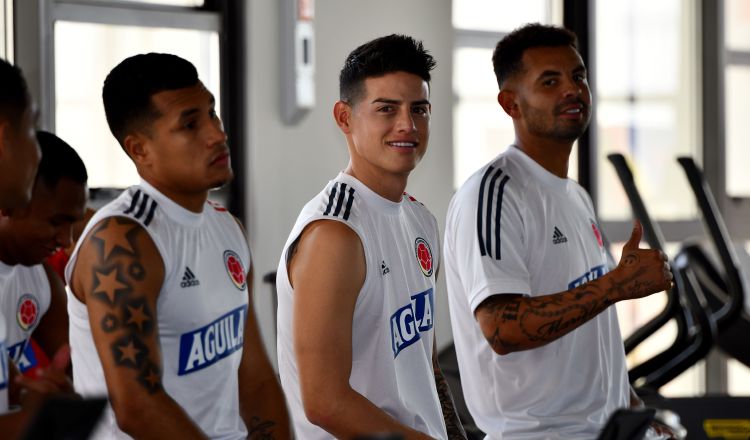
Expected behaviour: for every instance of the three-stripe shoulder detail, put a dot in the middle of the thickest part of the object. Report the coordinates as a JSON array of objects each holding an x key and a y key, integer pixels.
[
  {"x": 340, "y": 200},
  {"x": 489, "y": 211},
  {"x": 142, "y": 207}
]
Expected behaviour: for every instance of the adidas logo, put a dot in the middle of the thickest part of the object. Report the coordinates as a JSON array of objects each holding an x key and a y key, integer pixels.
[
  {"x": 189, "y": 279},
  {"x": 558, "y": 237}
]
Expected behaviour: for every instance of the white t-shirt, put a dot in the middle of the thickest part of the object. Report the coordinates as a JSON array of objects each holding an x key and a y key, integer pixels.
[
  {"x": 24, "y": 299},
  {"x": 201, "y": 310},
  {"x": 392, "y": 332},
  {"x": 513, "y": 227}
]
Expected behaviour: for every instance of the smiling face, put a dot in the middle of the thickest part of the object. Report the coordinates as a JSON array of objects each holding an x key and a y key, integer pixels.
[
  {"x": 32, "y": 233},
  {"x": 388, "y": 129},
  {"x": 184, "y": 152},
  {"x": 552, "y": 94}
]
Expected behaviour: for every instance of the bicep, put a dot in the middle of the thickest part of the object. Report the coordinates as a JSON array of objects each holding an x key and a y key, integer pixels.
[
  {"x": 324, "y": 302},
  {"x": 119, "y": 273}
]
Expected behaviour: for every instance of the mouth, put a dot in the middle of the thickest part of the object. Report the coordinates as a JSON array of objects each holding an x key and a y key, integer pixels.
[
  {"x": 572, "y": 110},
  {"x": 410, "y": 144},
  {"x": 220, "y": 159}
]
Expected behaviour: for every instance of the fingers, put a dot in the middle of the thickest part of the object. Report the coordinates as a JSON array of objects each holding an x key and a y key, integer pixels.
[
  {"x": 61, "y": 359},
  {"x": 635, "y": 238}
]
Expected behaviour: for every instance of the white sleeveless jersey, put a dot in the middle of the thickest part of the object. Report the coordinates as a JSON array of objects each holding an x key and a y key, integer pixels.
[
  {"x": 392, "y": 339},
  {"x": 513, "y": 227},
  {"x": 4, "y": 374},
  {"x": 201, "y": 310},
  {"x": 24, "y": 299}
]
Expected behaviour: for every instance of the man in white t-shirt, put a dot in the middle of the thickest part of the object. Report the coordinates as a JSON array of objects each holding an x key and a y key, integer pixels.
[
  {"x": 356, "y": 280},
  {"x": 538, "y": 343},
  {"x": 159, "y": 286}
]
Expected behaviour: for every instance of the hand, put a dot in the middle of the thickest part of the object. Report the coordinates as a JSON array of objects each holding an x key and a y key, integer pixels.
[
  {"x": 641, "y": 272},
  {"x": 51, "y": 380},
  {"x": 663, "y": 430}
]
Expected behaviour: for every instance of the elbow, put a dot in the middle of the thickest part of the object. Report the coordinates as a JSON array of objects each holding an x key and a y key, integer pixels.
[
  {"x": 321, "y": 409},
  {"x": 130, "y": 416},
  {"x": 502, "y": 345}
]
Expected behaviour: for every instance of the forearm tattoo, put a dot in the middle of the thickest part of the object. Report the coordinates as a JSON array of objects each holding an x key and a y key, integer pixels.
[
  {"x": 539, "y": 320},
  {"x": 117, "y": 275},
  {"x": 260, "y": 429},
  {"x": 452, "y": 422}
]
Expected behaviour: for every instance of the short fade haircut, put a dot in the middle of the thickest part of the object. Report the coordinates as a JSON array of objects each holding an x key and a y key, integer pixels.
[
  {"x": 129, "y": 86},
  {"x": 14, "y": 92},
  {"x": 392, "y": 53},
  {"x": 59, "y": 160},
  {"x": 507, "y": 59}
]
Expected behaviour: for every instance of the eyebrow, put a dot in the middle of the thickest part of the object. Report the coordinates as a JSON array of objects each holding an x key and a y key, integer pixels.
[
  {"x": 191, "y": 111},
  {"x": 549, "y": 73},
  {"x": 396, "y": 101}
]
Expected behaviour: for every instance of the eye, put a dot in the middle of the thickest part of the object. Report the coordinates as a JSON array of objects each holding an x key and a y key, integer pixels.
[
  {"x": 385, "y": 109},
  {"x": 189, "y": 125},
  {"x": 212, "y": 114},
  {"x": 421, "y": 110},
  {"x": 549, "y": 82}
]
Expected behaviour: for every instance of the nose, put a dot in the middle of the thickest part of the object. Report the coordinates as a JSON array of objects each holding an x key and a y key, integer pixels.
[
  {"x": 572, "y": 88},
  {"x": 217, "y": 135},
  {"x": 405, "y": 122},
  {"x": 64, "y": 236}
]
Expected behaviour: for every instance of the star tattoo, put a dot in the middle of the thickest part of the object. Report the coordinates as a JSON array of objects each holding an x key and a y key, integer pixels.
[
  {"x": 116, "y": 237},
  {"x": 106, "y": 285}
]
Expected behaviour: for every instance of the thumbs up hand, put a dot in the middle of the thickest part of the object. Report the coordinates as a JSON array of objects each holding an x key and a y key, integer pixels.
[{"x": 641, "y": 272}]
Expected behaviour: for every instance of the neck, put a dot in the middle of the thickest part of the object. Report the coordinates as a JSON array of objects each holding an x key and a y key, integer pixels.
[
  {"x": 553, "y": 155},
  {"x": 192, "y": 201},
  {"x": 6, "y": 253},
  {"x": 389, "y": 187}
]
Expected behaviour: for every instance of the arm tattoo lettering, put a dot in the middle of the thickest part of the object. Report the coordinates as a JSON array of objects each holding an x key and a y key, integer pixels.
[{"x": 452, "y": 422}]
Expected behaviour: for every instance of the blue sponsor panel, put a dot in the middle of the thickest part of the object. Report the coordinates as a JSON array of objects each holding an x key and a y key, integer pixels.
[
  {"x": 3, "y": 369},
  {"x": 591, "y": 275},
  {"x": 411, "y": 320},
  {"x": 207, "y": 345},
  {"x": 23, "y": 356}
]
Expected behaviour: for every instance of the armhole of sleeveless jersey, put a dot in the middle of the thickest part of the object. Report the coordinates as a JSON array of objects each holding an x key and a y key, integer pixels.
[
  {"x": 88, "y": 230},
  {"x": 316, "y": 218}
]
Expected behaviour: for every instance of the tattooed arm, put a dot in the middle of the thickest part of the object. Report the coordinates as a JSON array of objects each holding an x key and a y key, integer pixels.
[
  {"x": 323, "y": 314},
  {"x": 452, "y": 422},
  {"x": 514, "y": 322},
  {"x": 261, "y": 400},
  {"x": 118, "y": 275}
]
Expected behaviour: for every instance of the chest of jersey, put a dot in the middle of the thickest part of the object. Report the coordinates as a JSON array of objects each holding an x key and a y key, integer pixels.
[
  {"x": 399, "y": 297},
  {"x": 566, "y": 242}
]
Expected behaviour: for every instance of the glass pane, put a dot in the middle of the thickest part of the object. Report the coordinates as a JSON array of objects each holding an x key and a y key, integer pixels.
[
  {"x": 170, "y": 2},
  {"x": 84, "y": 55},
  {"x": 738, "y": 131},
  {"x": 481, "y": 129},
  {"x": 737, "y": 24},
  {"x": 499, "y": 15},
  {"x": 5, "y": 29},
  {"x": 646, "y": 103},
  {"x": 738, "y": 377}
]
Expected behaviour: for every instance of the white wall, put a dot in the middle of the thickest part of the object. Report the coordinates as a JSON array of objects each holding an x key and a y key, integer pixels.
[{"x": 288, "y": 165}]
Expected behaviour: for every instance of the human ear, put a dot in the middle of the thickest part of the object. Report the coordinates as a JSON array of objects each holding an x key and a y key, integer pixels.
[
  {"x": 507, "y": 100},
  {"x": 342, "y": 112},
  {"x": 134, "y": 145}
]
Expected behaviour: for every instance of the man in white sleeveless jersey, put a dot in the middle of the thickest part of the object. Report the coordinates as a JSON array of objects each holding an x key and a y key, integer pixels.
[
  {"x": 356, "y": 280},
  {"x": 31, "y": 293},
  {"x": 161, "y": 317},
  {"x": 19, "y": 157},
  {"x": 536, "y": 333}
]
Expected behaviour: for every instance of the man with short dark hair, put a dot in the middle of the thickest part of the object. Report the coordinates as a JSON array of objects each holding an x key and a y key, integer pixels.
[
  {"x": 538, "y": 343},
  {"x": 159, "y": 285},
  {"x": 356, "y": 280},
  {"x": 30, "y": 291}
]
